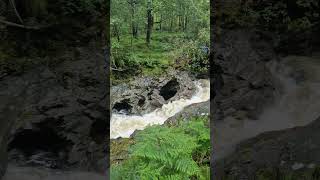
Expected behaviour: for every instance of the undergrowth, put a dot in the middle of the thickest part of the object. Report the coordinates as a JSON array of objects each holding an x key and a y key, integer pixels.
[{"x": 161, "y": 152}]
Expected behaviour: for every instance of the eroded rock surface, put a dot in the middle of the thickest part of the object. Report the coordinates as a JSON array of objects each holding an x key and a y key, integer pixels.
[
  {"x": 58, "y": 115},
  {"x": 145, "y": 94},
  {"x": 242, "y": 80}
]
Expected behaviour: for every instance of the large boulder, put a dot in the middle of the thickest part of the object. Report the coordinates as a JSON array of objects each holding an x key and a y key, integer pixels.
[{"x": 194, "y": 110}]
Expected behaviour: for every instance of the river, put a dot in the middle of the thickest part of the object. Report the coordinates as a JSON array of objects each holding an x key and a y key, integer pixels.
[{"x": 125, "y": 125}]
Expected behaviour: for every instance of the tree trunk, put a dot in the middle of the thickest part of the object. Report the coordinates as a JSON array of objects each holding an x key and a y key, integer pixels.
[
  {"x": 185, "y": 23},
  {"x": 179, "y": 22},
  {"x": 150, "y": 22},
  {"x": 160, "y": 28},
  {"x": 134, "y": 26},
  {"x": 117, "y": 33}
]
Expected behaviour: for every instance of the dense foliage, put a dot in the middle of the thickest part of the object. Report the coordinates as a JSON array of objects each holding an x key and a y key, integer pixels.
[
  {"x": 47, "y": 15},
  {"x": 141, "y": 45},
  {"x": 296, "y": 22},
  {"x": 160, "y": 152},
  {"x": 34, "y": 32}
]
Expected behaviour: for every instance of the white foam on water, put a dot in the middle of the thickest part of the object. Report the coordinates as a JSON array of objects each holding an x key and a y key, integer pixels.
[{"x": 124, "y": 125}]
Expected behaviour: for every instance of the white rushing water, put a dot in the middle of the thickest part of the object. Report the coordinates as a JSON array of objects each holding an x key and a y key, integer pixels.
[
  {"x": 298, "y": 105},
  {"x": 125, "y": 125}
]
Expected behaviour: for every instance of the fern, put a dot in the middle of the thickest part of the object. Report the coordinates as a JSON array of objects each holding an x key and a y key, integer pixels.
[
  {"x": 167, "y": 153},
  {"x": 197, "y": 129}
]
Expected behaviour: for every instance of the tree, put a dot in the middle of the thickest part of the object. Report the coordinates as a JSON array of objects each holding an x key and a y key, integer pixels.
[
  {"x": 149, "y": 22},
  {"x": 134, "y": 26}
]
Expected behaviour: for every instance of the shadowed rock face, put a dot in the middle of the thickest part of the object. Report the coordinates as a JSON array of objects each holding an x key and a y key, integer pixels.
[
  {"x": 242, "y": 80},
  {"x": 61, "y": 111},
  {"x": 39, "y": 146},
  {"x": 285, "y": 150},
  {"x": 123, "y": 106}
]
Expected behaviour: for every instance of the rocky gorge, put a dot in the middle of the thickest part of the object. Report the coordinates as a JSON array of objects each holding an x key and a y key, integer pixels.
[
  {"x": 167, "y": 99},
  {"x": 262, "y": 98},
  {"x": 283, "y": 139},
  {"x": 55, "y": 117}
]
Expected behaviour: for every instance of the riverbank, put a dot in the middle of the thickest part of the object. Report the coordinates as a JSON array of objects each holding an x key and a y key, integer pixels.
[
  {"x": 179, "y": 119},
  {"x": 191, "y": 99},
  {"x": 183, "y": 149}
]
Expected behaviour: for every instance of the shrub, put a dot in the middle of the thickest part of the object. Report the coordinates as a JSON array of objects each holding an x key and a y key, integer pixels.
[{"x": 192, "y": 56}]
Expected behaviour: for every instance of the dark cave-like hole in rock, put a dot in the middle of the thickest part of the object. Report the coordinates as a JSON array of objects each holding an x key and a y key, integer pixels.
[
  {"x": 42, "y": 145},
  {"x": 123, "y": 106},
  {"x": 170, "y": 89},
  {"x": 98, "y": 131}
]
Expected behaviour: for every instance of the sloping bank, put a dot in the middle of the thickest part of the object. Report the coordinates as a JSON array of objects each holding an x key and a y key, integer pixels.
[{"x": 149, "y": 101}]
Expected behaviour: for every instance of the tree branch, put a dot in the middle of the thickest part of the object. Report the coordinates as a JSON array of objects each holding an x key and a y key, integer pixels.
[
  {"x": 19, "y": 25},
  {"x": 16, "y": 11},
  {"x": 114, "y": 69}
]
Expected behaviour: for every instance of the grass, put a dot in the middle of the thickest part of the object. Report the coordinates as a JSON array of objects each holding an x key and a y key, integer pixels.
[{"x": 157, "y": 56}]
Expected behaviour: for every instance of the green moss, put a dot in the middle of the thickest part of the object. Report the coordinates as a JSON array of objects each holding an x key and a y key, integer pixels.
[{"x": 119, "y": 149}]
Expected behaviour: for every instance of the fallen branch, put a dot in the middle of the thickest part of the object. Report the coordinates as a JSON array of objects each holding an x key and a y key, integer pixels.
[
  {"x": 114, "y": 69},
  {"x": 19, "y": 25}
]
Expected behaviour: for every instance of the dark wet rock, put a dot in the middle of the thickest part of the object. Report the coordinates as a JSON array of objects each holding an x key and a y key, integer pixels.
[
  {"x": 241, "y": 78},
  {"x": 288, "y": 150},
  {"x": 145, "y": 94},
  {"x": 199, "y": 109},
  {"x": 57, "y": 110},
  {"x": 124, "y": 105}
]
